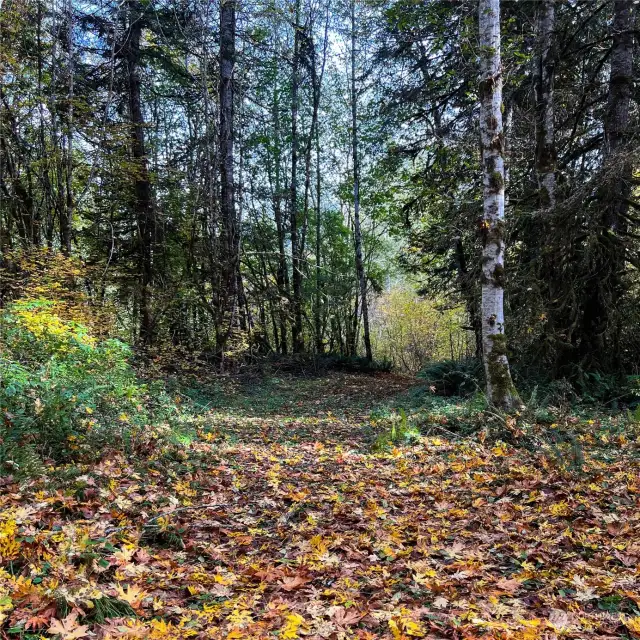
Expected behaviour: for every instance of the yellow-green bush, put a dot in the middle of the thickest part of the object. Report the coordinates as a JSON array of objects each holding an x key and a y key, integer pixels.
[
  {"x": 410, "y": 331},
  {"x": 64, "y": 393}
]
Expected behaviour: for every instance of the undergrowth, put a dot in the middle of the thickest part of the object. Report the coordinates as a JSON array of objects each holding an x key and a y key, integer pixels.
[
  {"x": 65, "y": 395},
  {"x": 560, "y": 431}
]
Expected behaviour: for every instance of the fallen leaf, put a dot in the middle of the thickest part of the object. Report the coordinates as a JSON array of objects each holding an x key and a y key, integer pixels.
[{"x": 68, "y": 629}]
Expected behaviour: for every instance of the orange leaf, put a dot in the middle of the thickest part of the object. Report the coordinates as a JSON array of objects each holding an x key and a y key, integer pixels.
[{"x": 289, "y": 584}]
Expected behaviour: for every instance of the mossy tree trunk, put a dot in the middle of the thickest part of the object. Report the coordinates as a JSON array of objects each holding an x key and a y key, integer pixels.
[
  {"x": 600, "y": 324},
  {"x": 500, "y": 389}
]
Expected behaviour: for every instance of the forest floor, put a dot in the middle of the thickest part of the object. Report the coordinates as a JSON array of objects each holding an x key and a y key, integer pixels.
[{"x": 284, "y": 515}]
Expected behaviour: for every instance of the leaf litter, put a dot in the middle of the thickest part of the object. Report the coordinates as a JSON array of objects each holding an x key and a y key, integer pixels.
[{"x": 293, "y": 528}]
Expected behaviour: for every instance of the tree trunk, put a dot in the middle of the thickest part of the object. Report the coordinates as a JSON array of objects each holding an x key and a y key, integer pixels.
[
  {"x": 143, "y": 202},
  {"x": 315, "y": 137},
  {"x": 362, "y": 278},
  {"x": 616, "y": 130},
  {"x": 465, "y": 282},
  {"x": 500, "y": 389},
  {"x": 618, "y": 104},
  {"x": 318, "y": 308},
  {"x": 545, "y": 165},
  {"x": 545, "y": 137},
  {"x": 282, "y": 273},
  {"x": 298, "y": 344},
  {"x": 229, "y": 258},
  {"x": 599, "y": 333},
  {"x": 66, "y": 215}
]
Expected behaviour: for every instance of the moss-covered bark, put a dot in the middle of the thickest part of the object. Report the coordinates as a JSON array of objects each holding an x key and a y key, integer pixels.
[
  {"x": 500, "y": 389},
  {"x": 503, "y": 391}
]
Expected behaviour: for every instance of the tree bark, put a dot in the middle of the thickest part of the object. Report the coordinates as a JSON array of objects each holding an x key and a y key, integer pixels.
[
  {"x": 500, "y": 389},
  {"x": 545, "y": 135},
  {"x": 282, "y": 273},
  {"x": 599, "y": 329},
  {"x": 618, "y": 105},
  {"x": 143, "y": 201},
  {"x": 297, "y": 339},
  {"x": 362, "y": 278},
  {"x": 317, "y": 312},
  {"x": 229, "y": 258},
  {"x": 616, "y": 130},
  {"x": 317, "y": 87},
  {"x": 66, "y": 214}
]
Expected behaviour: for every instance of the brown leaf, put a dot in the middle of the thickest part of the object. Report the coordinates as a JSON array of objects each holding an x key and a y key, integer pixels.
[
  {"x": 508, "y": 586},
  {"x": 291, "y": 583},
  {"x": 559, "y": 619},
  {"x": 68, "y": 629},
  {"x": 346, "y": 617}
]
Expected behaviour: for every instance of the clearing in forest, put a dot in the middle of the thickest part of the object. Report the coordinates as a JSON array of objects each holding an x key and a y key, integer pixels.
[{"x": 282, "y": 519}]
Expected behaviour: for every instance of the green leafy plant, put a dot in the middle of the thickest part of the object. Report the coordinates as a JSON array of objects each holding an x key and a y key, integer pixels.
[
  {"x": 65, "y": 394},
  {"x": 400, "y": 431},
  {"x": 453, "y": 377}
]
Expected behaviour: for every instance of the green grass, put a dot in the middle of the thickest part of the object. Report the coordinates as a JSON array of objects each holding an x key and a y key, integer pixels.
[{"x": 373, "y": 413}]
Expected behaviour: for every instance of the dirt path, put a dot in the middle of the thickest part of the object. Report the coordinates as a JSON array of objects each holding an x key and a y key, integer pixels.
[{"x": 334, "y": 409}]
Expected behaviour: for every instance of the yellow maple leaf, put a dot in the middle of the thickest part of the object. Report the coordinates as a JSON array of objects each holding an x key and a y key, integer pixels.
[
  {"x": 319, "y": 545},
  {"x": 532, "y": 623},
  {"x": 413, "y": 628},
  {"x": 395, "y": 630},
  {"x": 633, "y": 624},
  {"x": 294, "y": 624},
  {"x": 133, "y": 595},
  {"x": 560, "y": 509}
]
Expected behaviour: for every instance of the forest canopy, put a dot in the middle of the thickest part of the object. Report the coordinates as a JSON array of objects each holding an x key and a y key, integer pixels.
[{"x": 239, "y": 180}]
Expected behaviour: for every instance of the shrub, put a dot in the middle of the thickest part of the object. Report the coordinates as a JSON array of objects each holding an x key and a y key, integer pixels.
[
  {"x": 40, "y": 273},
  {"x": 353, "y": 364},
  {"x": 63, "y": 393},
  {"x": 453, "y": 377},
  {"x": 409, "y": 330}
]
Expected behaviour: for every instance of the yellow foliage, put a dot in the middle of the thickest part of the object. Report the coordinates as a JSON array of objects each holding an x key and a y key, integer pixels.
[
  {"x": 9, "y": 546},
  {"x": 44, "y": 322},
  {"x": 319, "y": 545},
  {"x": 44, "y": 274},
  {"x": 410, "y": 331},
  {"x": 633, "y": 624},
  {"x": 293, "y": 625},
  {"x": 405, "y": 626}
]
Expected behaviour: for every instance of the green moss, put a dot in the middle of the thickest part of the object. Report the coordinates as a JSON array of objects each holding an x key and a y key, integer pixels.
[
  {"x": 497, "y": 144},
  {"x": 496, "y": 232},
  {"x": 486, "y": 87},
  {"x": 503, "y": 391},
  {"x": 496, "y": 180},
  {"x": 492, "y": 122},
  {"x": 498, "y": 276}
]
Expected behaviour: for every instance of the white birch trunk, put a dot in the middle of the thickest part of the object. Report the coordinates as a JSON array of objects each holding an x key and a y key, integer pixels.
[{"x": 500, "y": 389}]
